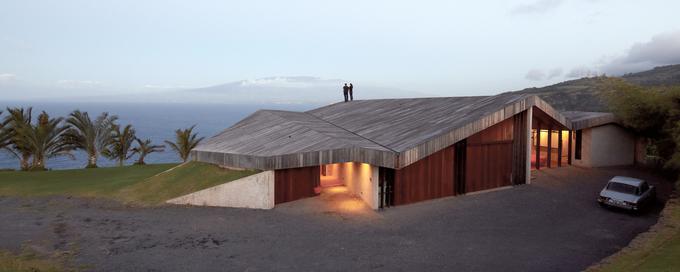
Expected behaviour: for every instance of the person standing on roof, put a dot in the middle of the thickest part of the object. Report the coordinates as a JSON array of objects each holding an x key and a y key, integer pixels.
[
  {"x": 351, "y": 95},
  {"x": 345, "y": 91}
]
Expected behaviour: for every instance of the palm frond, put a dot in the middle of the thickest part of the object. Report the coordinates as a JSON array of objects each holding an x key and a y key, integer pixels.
[{"x": 185, "y": 141}]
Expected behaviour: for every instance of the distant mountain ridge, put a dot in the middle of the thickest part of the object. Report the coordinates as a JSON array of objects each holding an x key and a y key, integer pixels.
[
  {"x": 583, "y": 94},
  {"x": 292, "y": 89}
]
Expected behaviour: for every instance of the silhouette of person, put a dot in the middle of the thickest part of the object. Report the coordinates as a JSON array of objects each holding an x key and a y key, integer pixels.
[
  {"x": 345, "y": 90},
  {"x": 351, "y": 95}
]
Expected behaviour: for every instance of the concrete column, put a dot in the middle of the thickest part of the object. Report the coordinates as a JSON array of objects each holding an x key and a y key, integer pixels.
[
  {"x": 559, "y": 148},
  {"x": 570, "y": 152},
  {"x": 528, "y": 147},
  {"x": 538, "y": 145},
  {"x": 549, "y": 157}
]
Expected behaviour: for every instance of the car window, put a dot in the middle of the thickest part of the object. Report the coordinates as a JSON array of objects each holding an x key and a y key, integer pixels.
[
  {"x": 643, "y": 188},
  {"x": 621, "y": 188}
]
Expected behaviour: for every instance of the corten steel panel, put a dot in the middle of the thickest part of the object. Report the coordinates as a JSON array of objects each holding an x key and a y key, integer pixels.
[
  {"x": 489, "y": 158},
  {"x": 519, "y": 148},
  {"x": 295, "y": 183},
  {"x": 429, "y": 178}
]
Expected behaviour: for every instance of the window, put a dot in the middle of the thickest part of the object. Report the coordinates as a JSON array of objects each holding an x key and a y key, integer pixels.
[
  {"x": 579, "y": 139},
  {"x": 622, "y": 188},
  {"x": 643, "y": 188}
]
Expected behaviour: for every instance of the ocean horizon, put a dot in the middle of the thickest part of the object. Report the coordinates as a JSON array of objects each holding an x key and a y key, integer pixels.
[{"x": 155, "y": 121}]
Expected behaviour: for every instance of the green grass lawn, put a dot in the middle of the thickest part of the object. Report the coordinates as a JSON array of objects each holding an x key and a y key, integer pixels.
[
  {"x": 656, "y": 250},
  {"x": 146, "y": 185}
]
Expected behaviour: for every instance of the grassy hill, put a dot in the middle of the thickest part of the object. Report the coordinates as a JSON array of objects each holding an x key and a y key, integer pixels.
[
  {"x": 583, "y": 94},
  {"x": 145, "y": 185}
]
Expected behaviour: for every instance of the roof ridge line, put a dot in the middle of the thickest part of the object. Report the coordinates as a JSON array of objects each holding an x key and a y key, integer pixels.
[{"x": 390, "y": 149}]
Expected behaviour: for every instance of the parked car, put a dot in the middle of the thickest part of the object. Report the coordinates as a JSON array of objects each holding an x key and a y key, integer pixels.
[{"x": 627, "y": 193}]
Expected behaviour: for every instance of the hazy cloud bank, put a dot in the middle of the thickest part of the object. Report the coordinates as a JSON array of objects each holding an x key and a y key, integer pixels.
[
  {"x": 539, "y": 74},
  {"x": 662, "y": 49},
  {"x": 540, "y": 6},
  {"x": 7, "y": 77}
]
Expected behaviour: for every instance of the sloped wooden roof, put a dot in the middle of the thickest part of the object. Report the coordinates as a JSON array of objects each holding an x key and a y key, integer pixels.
[
  {"x": 586, "y": 119},
  {"x": 385, "y": 132},
  {"x": 272, "y": 133}
]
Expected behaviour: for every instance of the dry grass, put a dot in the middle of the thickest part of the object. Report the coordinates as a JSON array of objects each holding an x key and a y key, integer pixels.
[{"x": 30, "y": 261}]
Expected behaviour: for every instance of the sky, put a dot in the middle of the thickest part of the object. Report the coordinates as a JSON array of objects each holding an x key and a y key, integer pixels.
[{"x": 447, "y": 48}]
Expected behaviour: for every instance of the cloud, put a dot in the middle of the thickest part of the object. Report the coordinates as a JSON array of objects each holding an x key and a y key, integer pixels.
[
  {"x": 5, "y": 78},
  {"x": 539, "y": 6},
  {"x": 535, "y": 75},
  {"x": 580, "y": 72},
  {"x": 289, "y": 81},
  {"x": 73, "y": 84},
  {"x": 555, "y": 73},
  {"x": 662, "y": 49},
  {"x": 539, "y": 74}
]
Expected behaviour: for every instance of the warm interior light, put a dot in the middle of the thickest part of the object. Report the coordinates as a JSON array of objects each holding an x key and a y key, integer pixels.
[{"x": 336, "y": 190}]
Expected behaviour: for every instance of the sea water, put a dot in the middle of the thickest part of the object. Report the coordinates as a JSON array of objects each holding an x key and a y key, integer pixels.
[{"x": 157, "y": 122}]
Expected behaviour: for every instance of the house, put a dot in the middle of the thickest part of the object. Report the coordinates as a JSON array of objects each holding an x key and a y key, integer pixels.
[
  {"x": 400, "y": 151},
  {"x": 601, "y": 141}
]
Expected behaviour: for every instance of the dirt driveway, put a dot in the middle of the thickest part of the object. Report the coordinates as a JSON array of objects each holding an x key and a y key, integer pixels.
[{"x": 554, "y": 224}]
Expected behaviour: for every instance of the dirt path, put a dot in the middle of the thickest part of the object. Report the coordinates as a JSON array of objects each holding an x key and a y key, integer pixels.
[{"x": 553, "y": 224}]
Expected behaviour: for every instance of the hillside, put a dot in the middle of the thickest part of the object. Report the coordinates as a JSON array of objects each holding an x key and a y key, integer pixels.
[{"x": 583, "y": 95}]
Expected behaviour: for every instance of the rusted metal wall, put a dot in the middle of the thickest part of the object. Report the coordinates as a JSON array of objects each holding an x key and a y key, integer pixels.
[
  {"x": 519, "y": 148},
  {"x": 429, "y": 178},
  {"x": 295, "y": 183},
  {"x": 489, "y": 158}
]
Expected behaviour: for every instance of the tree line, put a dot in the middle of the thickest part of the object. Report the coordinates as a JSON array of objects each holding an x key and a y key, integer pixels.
[
  {"x": 33, "y": 141},
  {"x": 652, "y": 112}
]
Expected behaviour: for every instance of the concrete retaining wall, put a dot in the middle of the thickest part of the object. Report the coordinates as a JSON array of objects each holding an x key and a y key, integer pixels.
[
  {"x": 255, "y": 192},
  {"x": 608, "y": 145}
]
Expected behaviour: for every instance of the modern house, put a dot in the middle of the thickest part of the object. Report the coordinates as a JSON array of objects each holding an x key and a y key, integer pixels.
[{"x": 399, "y": 151}]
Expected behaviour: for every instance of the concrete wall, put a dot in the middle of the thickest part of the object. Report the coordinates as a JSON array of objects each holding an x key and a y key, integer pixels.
[
  {"x": 607, "y": 145},
  {"x": 361, "y": 180},
  {"x": 586, "y": 144},
  {"x": 255, "y": 191}
]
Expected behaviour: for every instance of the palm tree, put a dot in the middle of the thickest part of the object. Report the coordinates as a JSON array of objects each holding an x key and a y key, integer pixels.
[
  {"x": 120, "y": 144},
  {"x": 185, "y": 141},
  {"x": 44, "y": 140},
  {"x": 144, "y": 148},
  {"x": 4, "y": 134},
  {"x": 18, "y": 117},
  {"x": 88, "y": 135}
]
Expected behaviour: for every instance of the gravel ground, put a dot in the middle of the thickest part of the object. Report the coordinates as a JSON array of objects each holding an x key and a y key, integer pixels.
[{"x": 554, "y": 224}]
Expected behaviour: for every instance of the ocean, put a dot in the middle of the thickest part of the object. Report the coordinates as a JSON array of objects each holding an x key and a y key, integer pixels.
[{"x": 157, "y": 122}]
